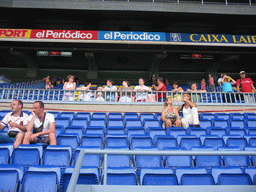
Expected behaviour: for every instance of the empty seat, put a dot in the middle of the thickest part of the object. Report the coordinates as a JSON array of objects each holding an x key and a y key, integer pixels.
[
  {"x": 143, "y": 116},
  {"x": 69, "y": 114},
  {"x": 71, "y": 139},
  {"x": 55, "y": 113},
  {"x": 118, "y": 160},
  {"x": 99, "y": 115},
  {"x": 222, "y": 116},
  {"x": 150, "y": 123},
  {"x": 133, "y": 123},
  {"x": 58, "y": 155},
  {"x": 205, "y": 123},
  {"x": 86, "y": 115},
  {"x": 239, "y": 116},
  {"x": 26, "y": 156},
  {"x": 175, "y": 132},
  {"x": 220, "y": 123},
  {"x": 165, "y": 141},
  {"x": 135, "y": 131},
  {"x": 92, "y": 140},
  {"x": 64, "y": 121},
  {"x": 115, "y": 130},
  {"x": 9, "y": 180},
  {"x": 240, "y": 132},
  {"x": 197, "y": 179},
  {"x": 216, "y": 171},
  {"x": 158, "y": 176},
  {"x": 4, "y": 155},
  {"x": 218, "y": 131},
  {"x": 214, "y": 142},
  {"x": 140, "y": 141},
  {"x": 239, "y": 142},
  {"x": 80, "y": 121},
  {"x": 197, "y": 132},
  {"x": 129, "y": 115},
  {"x": 115, "y": 123},
  {"x": 97, "y": 122},
  {"x": 116, "y": 141},
  {"x": 237, "y": 123},
  {"x": 115, "y": 115},
  {"x": 152, "y": 132},
  {"x": 191, "y": 170},
  {"x": 251, "y": 123},
  {"x": 75, "y": 129},
  {"x": 121, "y": 176},
  {"x": 190, "y": 142},
  {"x": 234, "y": 179},
  {"x": 206, "y": 116},
  {"x": 34, "y": 180},
  {"x": 87, "y": 176},
  {"x": 95, "y": 130}
]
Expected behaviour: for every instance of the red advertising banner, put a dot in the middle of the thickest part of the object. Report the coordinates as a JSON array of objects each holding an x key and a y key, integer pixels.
[
  {"x": 64, "y": 34},
  {"x": 15, "y": 33}
]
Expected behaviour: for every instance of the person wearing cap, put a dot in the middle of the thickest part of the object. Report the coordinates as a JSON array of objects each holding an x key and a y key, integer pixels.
[{"x": 245, "y": 85}]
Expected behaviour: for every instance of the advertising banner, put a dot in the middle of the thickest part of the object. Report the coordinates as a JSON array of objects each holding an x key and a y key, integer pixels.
[
  {"x": 211, "y": 38},
  {"x": 131, "y": 36},
  {"x": 15, "y": 33},
  {"x": 64, "y": 34}
]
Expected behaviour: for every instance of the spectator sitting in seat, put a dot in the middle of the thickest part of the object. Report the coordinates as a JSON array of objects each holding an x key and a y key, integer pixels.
[
  {"x": 125, "y": 94},
  {"x": 16, "y": 122},
  {"x": 41, "y": 126},
  {"x": 142, "y": 95},
  {"x": 190, "y": 113},
  {"x": 110, "y": 87},
  {"x": 161, "y": 87},
  {"x": 170, "y": 116},
  {"x": 85, "y": 96},
  {"x": 70, "y": 85}
]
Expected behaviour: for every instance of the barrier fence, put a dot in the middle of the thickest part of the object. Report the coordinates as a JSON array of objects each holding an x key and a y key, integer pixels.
[
  {"x": 124, "y": 97},
  {"x": 105, "y": 153}
]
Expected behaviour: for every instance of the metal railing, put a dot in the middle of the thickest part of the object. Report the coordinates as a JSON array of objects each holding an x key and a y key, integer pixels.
[
  {"x": 124, "y": 97},
  {"x": 76, "y": 172}
]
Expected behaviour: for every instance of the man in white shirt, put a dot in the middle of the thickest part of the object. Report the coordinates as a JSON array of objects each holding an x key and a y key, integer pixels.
[
  {"x": 16, "y": 122},
  {"x": 110, "y": 87},
  {"x": 142, "y": 95},
  {"x": 42, "y": 126}
]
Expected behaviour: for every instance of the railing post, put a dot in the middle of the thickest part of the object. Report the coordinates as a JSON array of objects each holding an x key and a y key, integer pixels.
[{"x": 105, "y": 169}]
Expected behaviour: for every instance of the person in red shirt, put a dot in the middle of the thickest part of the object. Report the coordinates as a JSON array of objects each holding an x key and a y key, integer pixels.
[
  {"x": 161, "y": 87},
  {"x": 245, "y": 83}
]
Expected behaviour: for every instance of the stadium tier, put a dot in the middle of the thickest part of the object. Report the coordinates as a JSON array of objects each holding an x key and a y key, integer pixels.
[{"x": 163, "y": 157}]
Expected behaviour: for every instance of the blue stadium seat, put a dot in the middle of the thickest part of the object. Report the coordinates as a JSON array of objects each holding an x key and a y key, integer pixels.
[
  {"x": 71, "y": 139},
  {"x": 197, "y": 132},
  {"x": 237, "y": 123},
  {"x": 59, "y": 129},
  {"x": 115, "y": 123},
  {"x": 75, "y": 129},
  {"x": 147, "y": 123},
  {"x": 57, "y": 155},
  {"x": 219, "y": 123},
  {"x": 116, "y": 140},
  {"x": 34, "y": 180},
  {"x": 197, "y": 179},
  {"x": 237, "y": 132},
  {"x": 26, "y": 156},
  {"x": 190, "y": 142},
  {"x": 55, "y": 113},
  {"x": 90, "y": 160},
  {"x": 175, "y": 132},
  {"x": 251, "y": 123},
  {"x": 234, "y": 179},
  {"x": 97, "y": 122},
  {"x": 9, "y": 180},
  {"x": 64, "y": 121},
  {"x": 250, "y": 115},
  {"x": 205, "y": 123},
  {"x": 86, "y": 115},
  {"x": 165, "y": 141},
  {"x": 189, "y": 170},
  {"x": 4, "y": 155},
  {"x": 46, "y": 169},
  {"x": 234, "y": 161},
  {"x": 69, "y": 114},
  {"x": 92, "y": 140},
  {"x": 135, "y": 131},
  {"x": 95, "y": 130},
  {"x": 217, "y": 131},
  {"x": 226, "y": 137},
  {"x": 133, "y": 123},
  {"x": 99, "y": 115},
  {"x": 118, "y": 160},
  {"x": 115, "y": 115},
  {"x": 252, "y": 141},
  {"x": 115, "y": 130},
  {"x": 206, "y": 116},
  {"x": 87, "y": 176},
  {"x": 80, "y": 121},
  {"x": 239, "y": 116},
  {"x": 129, "y": 115},
  {"x": 140, "y": 141},
  {"x": 158, "y": 176},
  {"x": 224, "y": 116},
  {"x": 177, "y": 161},
  {"x": 214, "y": 142},
  {"x": 216, "y": 171},
  {"x": 121, "y": 176},
  {"x": 252, "y": 172},
  {"x": 152, "y": 132},
  {"x": 143, "y": 116},
  {"x": 239, "y": 142}
]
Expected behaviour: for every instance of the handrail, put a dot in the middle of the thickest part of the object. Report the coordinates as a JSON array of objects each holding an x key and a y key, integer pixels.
[
  {"x": 111, "y": 97},
  {"x": 76, "y": 172}
]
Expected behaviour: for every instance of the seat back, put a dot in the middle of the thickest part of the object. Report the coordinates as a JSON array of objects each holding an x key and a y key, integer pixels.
[
  {"x": 190, "y": 142},
  {"x": 234, "y": 179},
  {"x": 9, "y": 180},
  {"x": 159, "y": 179},
  {"x": 197, "y": 179},
  {"x": 26, "y": 156}
]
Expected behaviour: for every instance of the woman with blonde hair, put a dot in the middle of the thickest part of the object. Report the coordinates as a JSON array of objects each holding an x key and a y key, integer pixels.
[
  {"x": 70, "y": 85},
  {"x": 170, "y": 115}
]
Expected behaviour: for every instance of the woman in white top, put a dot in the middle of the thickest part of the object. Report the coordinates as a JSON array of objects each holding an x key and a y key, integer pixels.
[
  {"x": 190, "y": 113},
  {"x": 86, "y": 94},
  {"x": 142, "y": 95},
  {"x": 70, "y": 85}
]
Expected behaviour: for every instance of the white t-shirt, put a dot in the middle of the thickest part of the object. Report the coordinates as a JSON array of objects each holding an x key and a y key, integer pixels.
[
  {"x": 187, "y": 113},
  {"x": 49, "y": 118},
  {"x": 8, "y": 118},
  {"x": 144, "y": 95}
]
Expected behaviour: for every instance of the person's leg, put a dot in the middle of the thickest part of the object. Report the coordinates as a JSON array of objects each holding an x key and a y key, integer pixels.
[
  {"x": 185, "y": 123},
  {"x": 51, "y": 139},
  {"x": 178, "y": 123},
  {"x": 195, "y": 118},
  {"x": 18, "y": 140},
  {"x": 26, "y": 138},
  {"x": 168, "y": 123}
]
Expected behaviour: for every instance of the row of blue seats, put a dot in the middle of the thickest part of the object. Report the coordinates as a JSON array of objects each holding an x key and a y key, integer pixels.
[{"x": 50, "y": 178}]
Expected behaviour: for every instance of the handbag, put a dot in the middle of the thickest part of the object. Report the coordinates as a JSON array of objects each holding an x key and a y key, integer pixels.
[
  {"x": 39, "y": 129},
  {"x": 13, "y": 133}
]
